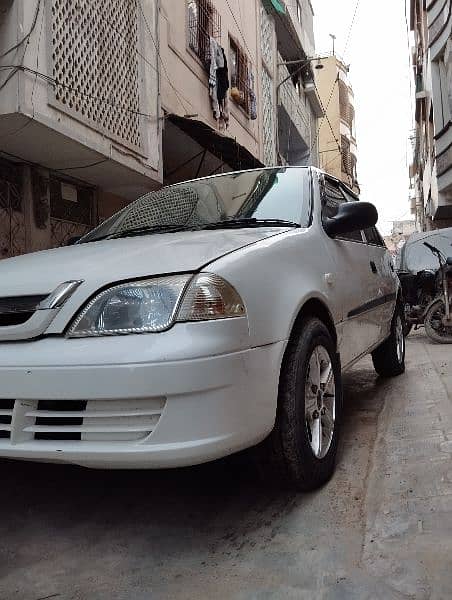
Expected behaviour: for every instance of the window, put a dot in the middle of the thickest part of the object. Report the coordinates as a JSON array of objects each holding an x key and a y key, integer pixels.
[
  {"x": 343, "y": 100},
  {"x": 240, "y": 73},
  {"x": 332, "y": 197},
  {"x": 373, "y": 237},
  {"x": 278, "y": 193},
  {"x": 346, "y": 156},
  {"x": 204, "y": 22}
]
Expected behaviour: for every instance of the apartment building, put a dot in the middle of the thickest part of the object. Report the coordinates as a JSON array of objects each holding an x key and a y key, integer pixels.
[
  {"x": 337, "y": 134},
  {"x": 431, "y": 170},
  {"x": 103, "y": 101},
  {"x": 268, "y": 107},
  {"x": 80, "y": 133}
]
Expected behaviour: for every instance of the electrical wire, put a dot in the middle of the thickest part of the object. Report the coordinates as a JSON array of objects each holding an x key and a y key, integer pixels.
[
  {"x": 93, "y": 164},
  {"x": 355, "y": 12},
  {"x": 26, "y": 37},
  {"x": 323, "y": 108},
  {"x": 39, "y": 165},
  {"x": 160, "y": 58},
  {"x": 334, "y": 137},
  {"x": 243, "y": 36},
  {"x": 52, "y": 81}
]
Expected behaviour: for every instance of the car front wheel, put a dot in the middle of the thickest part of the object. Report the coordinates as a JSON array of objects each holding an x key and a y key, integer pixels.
[{"x": 301, "y": 450}]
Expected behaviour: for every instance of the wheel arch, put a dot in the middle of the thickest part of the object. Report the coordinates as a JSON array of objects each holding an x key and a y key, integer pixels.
[{"x": 314, "y": 307}]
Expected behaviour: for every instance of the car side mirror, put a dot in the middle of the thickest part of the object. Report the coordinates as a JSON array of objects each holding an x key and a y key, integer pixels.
[
  {"x": 449, "y": 261},
  {"x": 351, "y": 216}
]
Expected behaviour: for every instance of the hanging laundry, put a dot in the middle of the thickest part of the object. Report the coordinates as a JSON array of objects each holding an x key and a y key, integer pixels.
[
  {"x": 216, "y": 62},
  {"x": 252, "y": 93},
  {"x": 222, "y": 91}
]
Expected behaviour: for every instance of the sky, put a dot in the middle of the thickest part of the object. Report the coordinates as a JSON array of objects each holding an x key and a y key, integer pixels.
[{"x": 378, "y": 56}]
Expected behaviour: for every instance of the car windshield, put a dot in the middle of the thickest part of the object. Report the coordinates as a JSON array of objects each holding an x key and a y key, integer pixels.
[
  {"x": 418, "y": 257},
  {"x": 255, "y": 198}
]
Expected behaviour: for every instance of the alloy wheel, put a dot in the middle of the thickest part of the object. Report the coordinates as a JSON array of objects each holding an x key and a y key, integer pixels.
[
  {"x": 320, "y": 401},
  {"x": 400, "y": 338}
]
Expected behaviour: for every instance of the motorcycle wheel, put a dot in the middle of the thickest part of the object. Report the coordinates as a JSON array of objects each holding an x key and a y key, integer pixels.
[{"x": 433, "y": 323}]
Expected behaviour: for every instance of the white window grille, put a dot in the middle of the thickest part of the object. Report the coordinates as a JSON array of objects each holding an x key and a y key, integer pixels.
[
  {"x": 94, "y": 47},
  {"x": 204, "y": 22}
]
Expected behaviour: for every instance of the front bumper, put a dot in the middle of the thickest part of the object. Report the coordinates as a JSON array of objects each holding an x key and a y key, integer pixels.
[{"x": 148, "y": 403}]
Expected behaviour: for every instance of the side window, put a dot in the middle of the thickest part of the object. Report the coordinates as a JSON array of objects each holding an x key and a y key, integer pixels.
[
  {"x": 373, "y": 237},
  {"x": 332, "y": 198}
]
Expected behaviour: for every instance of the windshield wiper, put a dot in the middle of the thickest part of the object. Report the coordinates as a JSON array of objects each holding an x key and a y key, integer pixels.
[
  {"x": 143, "y": 230},
  {"x": 226, "y": 224},
  {"x": 249, "y": 222}
]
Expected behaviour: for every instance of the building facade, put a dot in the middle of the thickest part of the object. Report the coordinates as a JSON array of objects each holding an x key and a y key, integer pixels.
[
  {"x": 431, "y": 170},
  {"x": 103, "y": 101},
  {"x": 267, "y": 114},
  {"x": 401, "y": 231},
  {"x": 337, "y": 133},
  {"x": 80, "y": 134}
]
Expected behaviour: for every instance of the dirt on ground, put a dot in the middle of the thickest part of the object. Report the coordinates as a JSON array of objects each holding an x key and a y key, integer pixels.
[{"x": 380, "y": 529}]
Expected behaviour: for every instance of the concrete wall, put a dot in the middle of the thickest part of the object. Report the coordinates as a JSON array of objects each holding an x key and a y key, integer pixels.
[{"x": 37, "y": 127}]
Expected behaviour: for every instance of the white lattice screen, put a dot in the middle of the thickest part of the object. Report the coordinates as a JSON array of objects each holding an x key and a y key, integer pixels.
[
  {"x": 267, "y": 27},
  {"x": 267, "y": 35},
  {"x": 95, "y": 65},
  {"x": 268, "y": 111}
]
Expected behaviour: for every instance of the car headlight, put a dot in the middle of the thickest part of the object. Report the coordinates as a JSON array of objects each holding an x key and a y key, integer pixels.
[{"x": 153, "y": 305}]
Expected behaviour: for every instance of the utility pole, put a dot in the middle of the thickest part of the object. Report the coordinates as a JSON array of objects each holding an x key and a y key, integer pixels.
[{"x": 333, "y": 37}]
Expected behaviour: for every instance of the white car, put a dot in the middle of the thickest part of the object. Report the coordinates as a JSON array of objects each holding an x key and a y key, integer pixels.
[{"x": 205, "y": 318}]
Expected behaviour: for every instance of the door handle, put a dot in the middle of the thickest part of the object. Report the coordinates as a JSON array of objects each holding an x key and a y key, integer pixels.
[{"x": 373, "y": 266}]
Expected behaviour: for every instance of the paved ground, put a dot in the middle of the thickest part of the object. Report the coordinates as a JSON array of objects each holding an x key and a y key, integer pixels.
[{"x": 381, "y": 529}]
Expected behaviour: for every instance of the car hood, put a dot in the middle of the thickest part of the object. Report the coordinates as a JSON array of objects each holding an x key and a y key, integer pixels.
[{"x": 107, "y": 261}]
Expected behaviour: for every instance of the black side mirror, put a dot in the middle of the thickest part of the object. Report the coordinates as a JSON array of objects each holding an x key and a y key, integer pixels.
[
  {"x": 449, "y": 261},
  {"x": 73, "y": 240},
  {"x": 351, "y": 216}
]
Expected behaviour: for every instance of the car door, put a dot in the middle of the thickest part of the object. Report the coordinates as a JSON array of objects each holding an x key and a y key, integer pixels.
[
  {"x": 384, "y": 281},
  {"x": 352, "y": 279}
]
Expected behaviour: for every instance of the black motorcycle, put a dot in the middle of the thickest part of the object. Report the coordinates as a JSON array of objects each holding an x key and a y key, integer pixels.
[{"x": 427, "y": 289}]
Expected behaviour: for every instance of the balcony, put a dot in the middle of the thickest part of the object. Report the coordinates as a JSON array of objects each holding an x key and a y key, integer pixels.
[
  {"x": 87, "y": 114},
  {"x": 294, "y": 120},
  {"x": 443, "y": 143}
]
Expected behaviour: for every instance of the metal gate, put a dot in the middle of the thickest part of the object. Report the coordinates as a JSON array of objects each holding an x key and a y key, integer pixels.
[{"x": 12, "y": 222}]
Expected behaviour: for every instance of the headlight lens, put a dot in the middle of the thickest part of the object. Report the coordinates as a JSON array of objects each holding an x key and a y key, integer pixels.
[
  {"x": 153, "y": 305},
  {"x": 138, "y": 307}
]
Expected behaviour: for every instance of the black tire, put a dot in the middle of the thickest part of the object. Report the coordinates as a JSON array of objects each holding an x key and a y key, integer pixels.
[
  {"x": 435, "y": 330},
  {"x": 389, "y": 358},
  {"x": 407, "y": 327},
  {"x": 286, "y": 458}
]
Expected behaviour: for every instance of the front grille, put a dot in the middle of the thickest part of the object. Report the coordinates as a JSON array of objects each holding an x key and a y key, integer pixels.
[
  {"x": 15, "y": 310},
  {"x": 80, "y": 420},
  {"x": 53, "y": 411},
  {"x": 6, "y": 415}
]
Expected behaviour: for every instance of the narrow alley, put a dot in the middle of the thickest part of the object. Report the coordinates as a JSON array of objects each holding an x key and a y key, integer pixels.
[{"x": 380, "y": 529}]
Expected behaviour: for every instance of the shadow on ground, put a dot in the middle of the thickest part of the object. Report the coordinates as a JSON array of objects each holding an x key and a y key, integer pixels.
[{"x": 70, "y": 517}]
